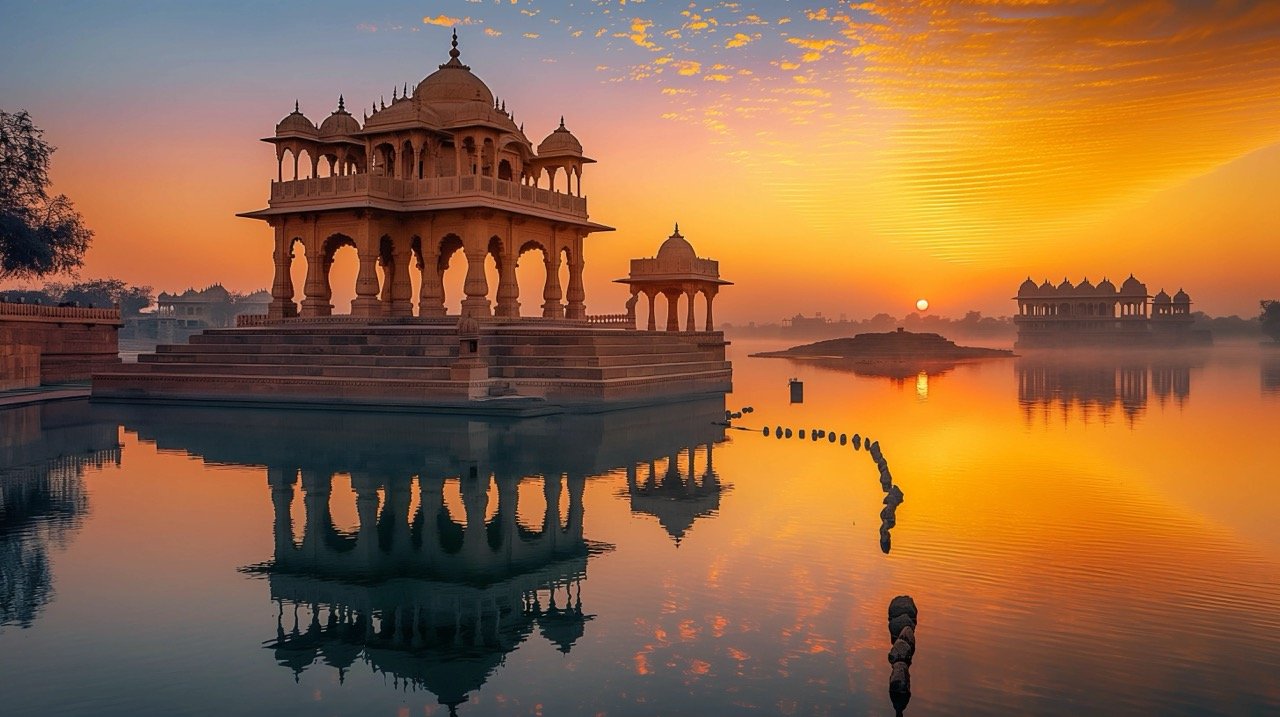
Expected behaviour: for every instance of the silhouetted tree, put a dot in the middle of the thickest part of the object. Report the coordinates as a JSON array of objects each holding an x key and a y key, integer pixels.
[
  {"x": 39, "y": 234},
  {"x": 103, "y": 293},
  {"x": 1271, "y": 318}
]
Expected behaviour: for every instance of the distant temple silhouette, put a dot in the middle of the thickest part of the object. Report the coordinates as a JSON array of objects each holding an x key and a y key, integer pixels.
[{"x": 1069, "y": 315}]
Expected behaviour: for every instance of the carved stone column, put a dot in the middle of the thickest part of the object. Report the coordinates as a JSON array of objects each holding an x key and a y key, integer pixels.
[
  {"x": 282, "y": 305},
  {"x": 508, "y": 289},
  {"x": 711, "y": 298},
  {"x": 689, "y": 324},
  {"x": 673, "y": 308},
  {"x": 653, "y": 299},
  {"x": 476, "y": 286},
  {"x": 366, "y": 303},
  {"x": 431, "y": 293},
  {"x": 576, "y": 295},
  {"x": 551, "y": 306},
  {"x": 316, "y": 302},
  {"x": 401, "y": 286}
]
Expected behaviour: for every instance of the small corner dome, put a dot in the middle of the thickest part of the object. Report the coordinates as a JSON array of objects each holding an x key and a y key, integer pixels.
[
  {"x": 1161, "y": 298},
  {"x": 1107, "y": 286},
  {"x": 1181, "y": 297},
  {"x": 676, "y": 248},
  {"x": 1028, "y": 288},
  {"x": 339, "y": 123},
  {"x": 560, "y": 142},
  {"x": 1046, "y": 286},
  {"x": 1085, "y": 287},
  {"x": 295, "y": 123},
  {"x": 1133, "y": 286},
  {"x": 1065, "y": 285}
]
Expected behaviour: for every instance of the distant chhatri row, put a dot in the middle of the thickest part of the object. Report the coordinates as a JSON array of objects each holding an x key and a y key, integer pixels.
[{"x": 1084, "y": 314}]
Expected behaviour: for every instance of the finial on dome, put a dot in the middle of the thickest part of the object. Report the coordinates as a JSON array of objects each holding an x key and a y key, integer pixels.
[
  {"x": 676, "y": 233},
  {"x": 382, "y": 102},
  {"x": 394, "y": 91},
  {"x": 453, "y": 53},
  {"x": 504, "y": 105},
  {"x": 295, "y": 107},
  {"x": 405, "y": 94},
  {"x": 561, "y": 121},
  {"x": 342, "y": 104}
]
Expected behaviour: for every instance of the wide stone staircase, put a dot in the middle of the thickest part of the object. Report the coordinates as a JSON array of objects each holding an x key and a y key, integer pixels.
[{"x": 426, "y": 365}]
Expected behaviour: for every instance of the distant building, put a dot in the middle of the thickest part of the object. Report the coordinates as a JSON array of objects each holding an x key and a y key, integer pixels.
[
  {"x": 1086, "y": 315},
  {"x": 178, "y": 316}
]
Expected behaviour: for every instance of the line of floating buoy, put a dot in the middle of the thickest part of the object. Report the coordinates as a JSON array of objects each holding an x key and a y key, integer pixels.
[{"x": 902, "y": 633}]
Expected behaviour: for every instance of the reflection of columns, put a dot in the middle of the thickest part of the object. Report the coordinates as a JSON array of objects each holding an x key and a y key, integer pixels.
[
  {"x": 508, "y": 289},
  {"x": 316, "y": 485},
  {"x": 573, "y": 528},
  {"x": 551, "y": 519},
  {"x": 431, "y": 293},
  {"x": 551, "y": 306},
  {"x": 401, "y": 287},
  {"x": 688, "y": 322},
  {"x": 476, "y": 286},
  {"x": 396, "y": 511},
  {"x": 632, "y": 485},
  {"x": 475, "y": 500},
  {"x": 576, "y": 295},
  {"x": 366, "y": 489},
  {"x": 282, "y": 286},
  {"x": 430, "y": 504},
  {"x": 673, "y": 306},
  {"x": 281, "y": 481},
  {"x": 366, "y": 302},
  {"x": 508, "y": 495}
]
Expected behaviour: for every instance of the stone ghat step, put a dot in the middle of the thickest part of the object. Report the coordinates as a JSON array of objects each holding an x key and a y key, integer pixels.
[
  {"x": 493, "y": 346},
  {"x": 418, "y": 337},
  {"x": 203, "y": 355},
  {"x": 439, "y": 350},
  {"x": 273, "y": 371}
]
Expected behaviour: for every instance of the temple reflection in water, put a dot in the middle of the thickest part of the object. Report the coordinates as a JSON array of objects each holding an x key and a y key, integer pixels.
[
  {"x": 428, "y": 589},
  {"x": 1099, "y": 386},
  {"x": 45, "y": 450},
  {"x": 1270, "y": 371}
]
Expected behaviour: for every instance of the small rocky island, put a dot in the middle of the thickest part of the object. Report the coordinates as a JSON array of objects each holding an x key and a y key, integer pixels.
[{"x": 891, "y": 347}]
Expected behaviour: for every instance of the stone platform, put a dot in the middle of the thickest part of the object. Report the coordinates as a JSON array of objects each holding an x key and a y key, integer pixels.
[{"x": 515, "y": 367}]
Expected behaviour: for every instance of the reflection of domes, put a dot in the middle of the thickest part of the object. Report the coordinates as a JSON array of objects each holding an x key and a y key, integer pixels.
[
  {"x": 560, "y": 142},
  {"x": 1161, "y": 298},
  {"x": 1181, "y": 297},
  {"x": 296, "y": 123},
  {"x": 340, "y": 122},
  {"x": 453, "y": 82},
  {"x": 676, "y": 247},
  {"x": 1133, "y": 286},
  {"x": 563, "y": 626},
  {"x": 1028, "y": 288}
]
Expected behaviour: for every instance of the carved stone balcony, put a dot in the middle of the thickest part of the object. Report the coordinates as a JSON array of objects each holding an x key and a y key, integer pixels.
[{"x": 423, "y": 194}]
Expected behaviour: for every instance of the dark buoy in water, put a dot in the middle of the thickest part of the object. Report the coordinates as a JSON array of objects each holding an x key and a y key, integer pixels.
[
  {"x": 802, "y": 434},
  {"x": 831, "y": 438},
  {"x": 843, "y": 439},
  {"x": 797, "y": 390},
  {"x": 766, "y": 431},
  {"x": 788, "y": 433}
]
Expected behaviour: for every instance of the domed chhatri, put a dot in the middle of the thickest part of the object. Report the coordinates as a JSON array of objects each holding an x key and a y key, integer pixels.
[
  {"x": 676, "y": 271},
  {"x": 1085, "y": 314},
  {"x": 438, "y": 187}
]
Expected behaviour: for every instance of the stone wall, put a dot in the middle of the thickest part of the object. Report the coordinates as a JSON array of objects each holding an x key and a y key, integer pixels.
[{"x": 58, "y": 343}]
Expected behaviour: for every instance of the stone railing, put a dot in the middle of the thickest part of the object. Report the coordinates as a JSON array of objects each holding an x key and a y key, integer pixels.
[
  {"x": 611, "y": 320},
  {"x": 247, "y": 320},
  {"x": 361, "y": 186},
  {"x": 44, "y": 312}
]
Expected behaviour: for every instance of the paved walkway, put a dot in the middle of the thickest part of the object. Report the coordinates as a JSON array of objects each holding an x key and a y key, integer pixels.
[{"x": 55, "y": 392}]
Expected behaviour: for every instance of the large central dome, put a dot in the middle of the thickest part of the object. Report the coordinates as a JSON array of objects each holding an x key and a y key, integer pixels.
[{"x": 453, "y": 82}]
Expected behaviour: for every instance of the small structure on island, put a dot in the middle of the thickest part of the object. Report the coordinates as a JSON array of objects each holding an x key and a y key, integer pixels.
[
  {"x": 440, "y": 182},
  {"x": 1069, "y": 315},
  {"x": 675, "y": 272}
]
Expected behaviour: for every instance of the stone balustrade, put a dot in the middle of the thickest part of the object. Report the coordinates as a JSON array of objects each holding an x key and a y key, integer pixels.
[
  {"x": 362, "y": 186},
  {"x": 46, "y": 312},
  {"x": 625, "y": 320},
  {"x": 247, "y": 320}
]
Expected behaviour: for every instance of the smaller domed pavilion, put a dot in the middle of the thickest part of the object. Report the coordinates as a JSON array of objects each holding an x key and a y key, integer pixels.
[{"x": 676, "y": 271}]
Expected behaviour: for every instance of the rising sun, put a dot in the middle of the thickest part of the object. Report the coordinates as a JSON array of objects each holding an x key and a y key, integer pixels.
[{"x": 922, "y": 304}]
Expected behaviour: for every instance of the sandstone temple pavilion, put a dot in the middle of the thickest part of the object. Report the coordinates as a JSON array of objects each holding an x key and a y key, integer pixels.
[
  {"x": 440, "y": 187},
  {"x": 1083, "y": 314}
]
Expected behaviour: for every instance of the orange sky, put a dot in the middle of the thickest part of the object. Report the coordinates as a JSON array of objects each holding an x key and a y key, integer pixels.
[{"x": 843, "y": 159}]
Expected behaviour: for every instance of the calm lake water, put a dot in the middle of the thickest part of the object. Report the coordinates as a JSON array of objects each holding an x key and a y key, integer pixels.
[{"x": 1093, "y": 537}]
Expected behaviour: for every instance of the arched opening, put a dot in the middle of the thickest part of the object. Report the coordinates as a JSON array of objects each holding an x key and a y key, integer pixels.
[
  {"x": 531, "y": 277},
  {"x": 487, "y": 155},
  {"x": 415, "y": 273},
  {"x": 531, "y": 509},
  {"x": 452, "y": 265},
  {"x": 423, "y": 158},
  {"x": 493, "y": 269},
  {"x": 504, "y": 170},
  {"x": 340, "y": 270},
  {"x": 386, "y": 270},
  {"x": 384, "y": 160},
  {"x": 469, "y": 160},
  {"x": 1064, "y": 309},
  {"x": 667, "y": 302},
  {"x": 304, "y": 165},
  {"x": 563, "y": 273},
  {"x": 331, "y": 164},
  {"x": 407, "y": 156},
  {"x": 298, "y": 268}
]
